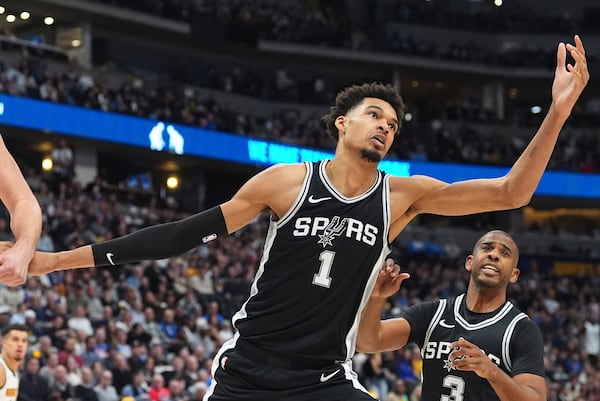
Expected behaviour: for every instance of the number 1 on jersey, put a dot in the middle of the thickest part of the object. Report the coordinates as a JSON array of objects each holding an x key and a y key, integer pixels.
[{"x": 322, "y": 278}]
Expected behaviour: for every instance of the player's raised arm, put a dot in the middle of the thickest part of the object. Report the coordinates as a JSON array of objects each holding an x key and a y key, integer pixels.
[
  {"x": 25, "y": 219},
  {"x": 516, "y": 188},
  {"x": 375, "y": 335}
]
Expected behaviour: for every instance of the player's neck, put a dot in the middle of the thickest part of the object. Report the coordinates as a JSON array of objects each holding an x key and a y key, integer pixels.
[
  {"x": 349, "y": 177},
  {"x": 484, "y": 300},
  {"x": 10, "y": 362}
]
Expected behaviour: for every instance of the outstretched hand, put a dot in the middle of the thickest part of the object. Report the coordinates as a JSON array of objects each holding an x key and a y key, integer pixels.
[
  {"x": 38, "y": 266},
  {"x": 389, "y": 280},
  {"x": 13, "y": 264},
  {"x": 569, "y": 80}
]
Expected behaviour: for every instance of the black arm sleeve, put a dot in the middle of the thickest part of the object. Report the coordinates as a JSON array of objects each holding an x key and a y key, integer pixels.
[{"x": 162, "y": 240}]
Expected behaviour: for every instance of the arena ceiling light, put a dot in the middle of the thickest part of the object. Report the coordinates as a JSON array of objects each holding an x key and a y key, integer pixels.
[
  {"x": 25, "y": 15},
  {"x": 172, "y": 182},
  {"x": 49, "y": 20},
  {"x": 2, "y": 10},
  {"x": 47, "y": 164},
  {"x": 11, "y": 18}
]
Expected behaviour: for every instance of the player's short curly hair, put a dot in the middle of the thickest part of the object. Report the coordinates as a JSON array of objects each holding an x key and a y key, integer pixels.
[
  {"x": 15, "y": 327},
  {"x": 353, "y": 95}
]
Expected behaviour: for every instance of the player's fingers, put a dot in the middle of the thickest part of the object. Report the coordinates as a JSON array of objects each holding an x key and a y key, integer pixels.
[
  {"x": 580, "y": 64},
  {"x": 458, "y": 361},
  {"x": 561, "y": 56},
  {"x": 5, "y": 245},
  {"x": 8, "y": 279},
  {"x": 4, "y": 272},
  {"x": 580, "y": 61},
  {"x": 458, "y": 343},
  {"x": 402, "y": 276},
  {"x": 579, "y": 44},
  {"x": 388, "y": 265},
  {"x": 576, "y": 73}
]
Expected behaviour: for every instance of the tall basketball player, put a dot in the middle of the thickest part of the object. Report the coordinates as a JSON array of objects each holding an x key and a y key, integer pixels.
[
  {"x": 331, "y": 226},
  {"x": 15, "y": 340},
  {"x": 477, "y": 346},
  {"x": 25, "y": 219}
]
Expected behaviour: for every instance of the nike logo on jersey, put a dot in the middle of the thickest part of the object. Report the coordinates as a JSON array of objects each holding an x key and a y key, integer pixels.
[
  {"x": 325, "y": 378},
  {"x": 312, "y": 199},
  {"x": 446, "y": 325},
  {"x": 109, "y": 257}
]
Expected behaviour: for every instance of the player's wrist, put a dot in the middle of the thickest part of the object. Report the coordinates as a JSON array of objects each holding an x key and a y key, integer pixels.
[
  {"x": 561, "y": 113},
  {"x": 494, "y": 373}
]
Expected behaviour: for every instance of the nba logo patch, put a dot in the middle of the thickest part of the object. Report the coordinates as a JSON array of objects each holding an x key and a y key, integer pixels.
[
  {"x": 209, "y": 238},
  {"x": 223, "y": 362}
]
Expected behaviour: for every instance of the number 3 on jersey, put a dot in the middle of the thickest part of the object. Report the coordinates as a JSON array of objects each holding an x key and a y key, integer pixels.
[
  {"x": 457, "y": 388},
  {"x": 322, "y": 278}
]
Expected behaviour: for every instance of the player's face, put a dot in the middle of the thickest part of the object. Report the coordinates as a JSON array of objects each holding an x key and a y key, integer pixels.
[
  {"x": 14, "y": 345},
  {"x": 494, "y": 261},
  {"x": 369, "y": 127}
]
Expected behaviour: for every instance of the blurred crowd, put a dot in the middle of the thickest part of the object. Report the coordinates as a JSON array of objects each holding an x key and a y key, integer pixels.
[
  {"x": 450, "y": 131},
  {"x": 372, "y": 25},
  {"x": 148, "y": 331}
]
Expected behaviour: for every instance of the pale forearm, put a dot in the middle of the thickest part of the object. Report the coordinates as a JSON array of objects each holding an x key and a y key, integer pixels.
[
  {"x": 370, "y": 325},
  {"x": 23, "y": 207},
  {"x": 26, "y": 225}
]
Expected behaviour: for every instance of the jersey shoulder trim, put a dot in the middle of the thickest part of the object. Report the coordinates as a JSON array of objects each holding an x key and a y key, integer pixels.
[
  {"x": 439, "y": 312},
  {"x": 508, "y": 336},
  {"x": 300, "y": 198}
]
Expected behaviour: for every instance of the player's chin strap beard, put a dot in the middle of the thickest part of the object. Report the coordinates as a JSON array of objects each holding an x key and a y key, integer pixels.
[{"x": 370, "y": 155}]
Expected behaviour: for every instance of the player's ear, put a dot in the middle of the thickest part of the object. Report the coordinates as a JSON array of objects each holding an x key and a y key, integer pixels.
[
  {"x": 340, "y": 124},
  {"x": 469, "y": 263},
  {"x": 514, "y": 275}
]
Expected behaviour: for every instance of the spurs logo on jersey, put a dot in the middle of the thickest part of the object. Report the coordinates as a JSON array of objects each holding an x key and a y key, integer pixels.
[
  {"x": 441, "y": 350},
  {"x": 327, "y": 229},
  {"x": 333, "y": 229}
]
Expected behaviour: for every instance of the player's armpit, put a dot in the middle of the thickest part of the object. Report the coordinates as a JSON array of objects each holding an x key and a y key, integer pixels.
[{"x": 275, "y": 189}]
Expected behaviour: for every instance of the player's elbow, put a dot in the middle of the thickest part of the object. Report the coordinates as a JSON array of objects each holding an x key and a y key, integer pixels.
[
  {"x": 514, "y": 196},
  {"x": 366, "y": 346},
  {"x": 518, "y": 199}
]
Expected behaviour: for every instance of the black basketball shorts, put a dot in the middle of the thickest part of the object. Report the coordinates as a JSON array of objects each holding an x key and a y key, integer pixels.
[{"x": 237, "y": 377}]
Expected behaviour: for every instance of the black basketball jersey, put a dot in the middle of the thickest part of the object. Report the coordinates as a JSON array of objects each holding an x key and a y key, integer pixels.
[
  {"x": 507, "y": 336},
  {"x": 319, "y": 266}
]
